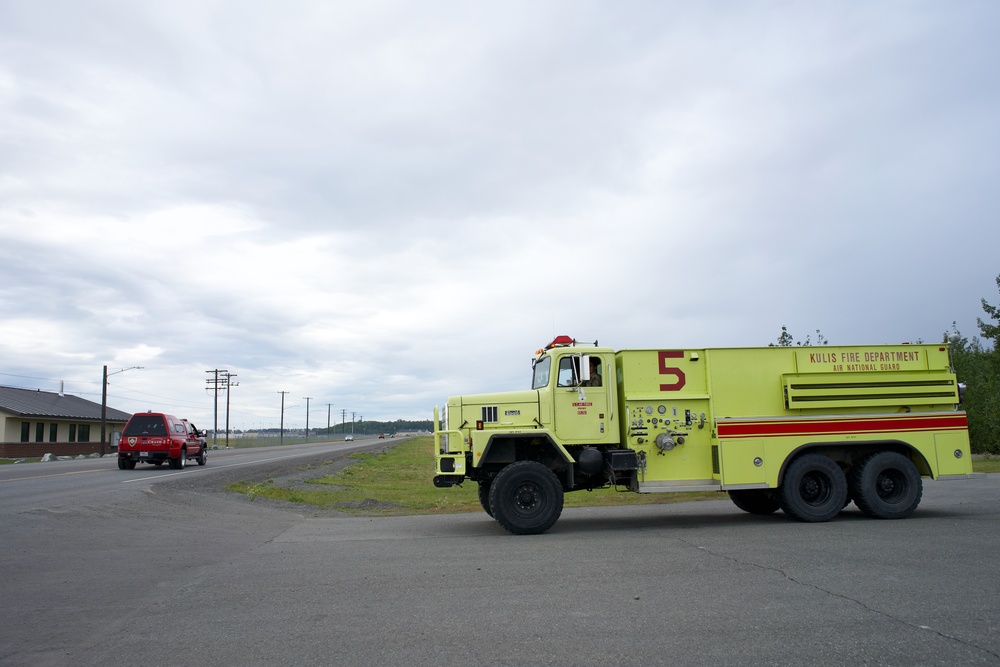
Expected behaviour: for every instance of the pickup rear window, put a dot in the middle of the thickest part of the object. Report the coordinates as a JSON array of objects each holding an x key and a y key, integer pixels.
[{"x": 143, "y": 425}]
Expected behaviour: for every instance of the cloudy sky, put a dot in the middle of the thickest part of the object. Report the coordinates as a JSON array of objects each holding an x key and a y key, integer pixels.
[{"x": 379, "y": 204}]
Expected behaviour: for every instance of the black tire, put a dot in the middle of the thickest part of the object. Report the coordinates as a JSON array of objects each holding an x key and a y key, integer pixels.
[
  {"x": 484, "y": 496},
  {"x": 130, "y": 464},
  {"x": 203, "y": 457},
  {"x": 122, "y": 465},
  {"x": 755, "y": 501},
  {"x": 180, "y": 461},
  {"x": 814, "y": 489},
  {"x": 526, "y": 498},
  {"x": 886, "y": 485}
]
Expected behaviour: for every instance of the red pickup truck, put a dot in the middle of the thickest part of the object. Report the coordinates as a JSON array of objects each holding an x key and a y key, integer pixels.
[{"x": 155, "y": 437}]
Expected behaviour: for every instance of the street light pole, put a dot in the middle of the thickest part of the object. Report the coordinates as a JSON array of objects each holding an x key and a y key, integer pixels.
[
  {"x": 229, "y": 383},
  {"x": 281, "y": 435},
  {"x": 104, "y": 404},
  {"x": 104, "y": 410}
]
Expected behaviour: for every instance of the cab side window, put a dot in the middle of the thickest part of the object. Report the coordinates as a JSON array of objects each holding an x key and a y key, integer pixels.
[{"x": 568, "y": 372}]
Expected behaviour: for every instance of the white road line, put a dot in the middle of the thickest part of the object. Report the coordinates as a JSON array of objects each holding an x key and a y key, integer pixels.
[{"x": 230, "y": 465}]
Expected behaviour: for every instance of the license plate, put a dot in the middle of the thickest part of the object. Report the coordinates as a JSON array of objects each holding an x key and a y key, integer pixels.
[{"x": 143, "y": 454}]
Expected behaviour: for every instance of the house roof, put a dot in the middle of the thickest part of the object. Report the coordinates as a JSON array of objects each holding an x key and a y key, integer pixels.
[{"x": 50, "y": 405}]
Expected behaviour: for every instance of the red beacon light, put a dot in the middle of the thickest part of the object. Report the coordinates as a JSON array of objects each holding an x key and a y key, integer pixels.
[{"x": 560, "y": 341}]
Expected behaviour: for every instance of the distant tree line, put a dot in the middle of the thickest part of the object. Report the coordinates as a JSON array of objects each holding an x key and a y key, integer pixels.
[
  {"x": 977, "y": 365},
  {"x": 372, "y": 427}
]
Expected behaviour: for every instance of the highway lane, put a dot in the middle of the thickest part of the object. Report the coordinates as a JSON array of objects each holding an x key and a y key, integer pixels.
[
  {"x": 60, "y": 483},
  {"x": 172, "y": 571}
]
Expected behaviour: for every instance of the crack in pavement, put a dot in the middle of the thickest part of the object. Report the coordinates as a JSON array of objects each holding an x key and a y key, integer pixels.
[{"x": 788, "y": 577}]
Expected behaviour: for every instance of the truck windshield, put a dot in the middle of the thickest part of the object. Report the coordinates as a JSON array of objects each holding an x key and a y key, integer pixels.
[{"x": 541, "y": 376}]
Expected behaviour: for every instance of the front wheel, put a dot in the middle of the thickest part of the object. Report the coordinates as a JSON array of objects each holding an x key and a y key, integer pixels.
[
  {"x": 203, "y": 457},
  {"x": 814, "y": 489},
  {"x": 886, "y": 485},
  {"x": 526, "y": 498}
]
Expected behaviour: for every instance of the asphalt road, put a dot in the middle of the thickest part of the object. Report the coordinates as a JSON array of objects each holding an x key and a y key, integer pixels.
[{"x": 101, "y": 568}]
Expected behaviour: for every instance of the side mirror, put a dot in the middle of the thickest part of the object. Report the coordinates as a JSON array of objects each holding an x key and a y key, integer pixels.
[{"x": 585, "y": 368}]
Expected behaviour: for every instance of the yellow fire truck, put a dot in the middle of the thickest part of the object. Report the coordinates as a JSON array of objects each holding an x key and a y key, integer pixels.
[{"x": 802, "y": 429}]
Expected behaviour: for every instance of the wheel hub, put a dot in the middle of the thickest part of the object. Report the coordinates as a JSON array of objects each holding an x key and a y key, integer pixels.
[
  {"x": 887, "y": 486},
  {"x": 813, "y": 490},
  {"x": 526, "y": 497}
]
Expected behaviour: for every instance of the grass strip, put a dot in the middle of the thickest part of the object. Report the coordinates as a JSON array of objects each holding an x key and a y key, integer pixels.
[{"x": 397, "y": 481}]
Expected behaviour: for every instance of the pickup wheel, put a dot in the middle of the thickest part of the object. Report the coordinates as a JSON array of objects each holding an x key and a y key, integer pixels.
[
  {"x": 484, "y": 496},
  {"x": 886, "y": 485},
  {"x": 179, "y": 462},
  {"x": 526, "y": 498},
  {"x": 122, "y": 465},
  {"x": 814, "y": 489},
  {"x": 203, "y": 457},
  {"x": 755, "y": 501}
]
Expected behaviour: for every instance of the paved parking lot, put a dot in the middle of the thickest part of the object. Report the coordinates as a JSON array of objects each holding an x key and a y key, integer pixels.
[{"x": 192, "y": 577}]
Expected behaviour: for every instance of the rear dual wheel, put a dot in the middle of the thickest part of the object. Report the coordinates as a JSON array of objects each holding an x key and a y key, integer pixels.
[
  {"x": 886, "y": 485},
  {"x": 814, "y": 489}
]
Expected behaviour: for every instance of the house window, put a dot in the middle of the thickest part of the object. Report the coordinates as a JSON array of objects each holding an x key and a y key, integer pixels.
[
  {"x": 40, "y": 432},
  {"x": 25, "y": 431},
  {"x": 53, "y": 432},
  {"x": 72, "y": 432},
  {"x": 84, "y": 433}
]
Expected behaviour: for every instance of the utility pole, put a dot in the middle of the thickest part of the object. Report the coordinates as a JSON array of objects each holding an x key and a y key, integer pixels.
[
  {"x": 216, "y": 383},
  {"x": 104, "y": 404},
  {"x": 352, "y": 423},
  {"x": 308, "y": 398},
  {"x": 328, "y": 406},
  {"x": 343, "y": 420},
  {"x": 229, "y": 383},
  {"x": 281, "y": 433}
]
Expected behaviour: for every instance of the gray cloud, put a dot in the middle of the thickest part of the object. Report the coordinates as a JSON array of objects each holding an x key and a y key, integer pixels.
[{"x": 381, "y": 205}]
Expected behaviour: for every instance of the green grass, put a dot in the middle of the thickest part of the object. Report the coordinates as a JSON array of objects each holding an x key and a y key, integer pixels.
[
  {"x": 398, "y": 482},
  {"x": 986, "y": 463}
]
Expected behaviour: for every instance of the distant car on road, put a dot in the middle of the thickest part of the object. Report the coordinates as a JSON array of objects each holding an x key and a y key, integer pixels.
[
  {"x": 348, "y": 438},
  {"x": 381, "y": 436}
]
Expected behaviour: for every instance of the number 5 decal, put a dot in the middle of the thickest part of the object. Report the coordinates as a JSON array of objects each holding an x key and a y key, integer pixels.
[{"x": 671, "y": 370}]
